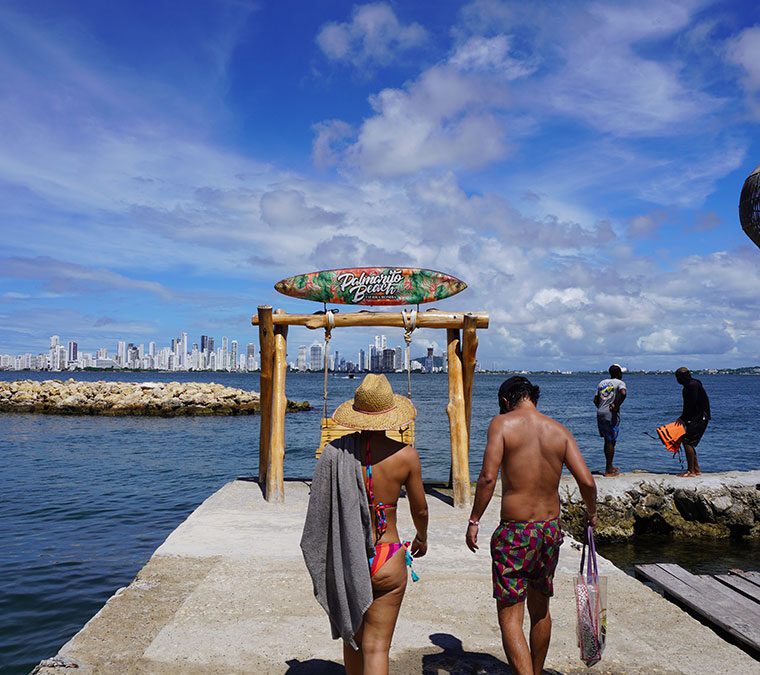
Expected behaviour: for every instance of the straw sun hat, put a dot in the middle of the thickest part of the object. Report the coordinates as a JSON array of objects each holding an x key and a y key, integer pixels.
[{"x": 375, "y": 407}]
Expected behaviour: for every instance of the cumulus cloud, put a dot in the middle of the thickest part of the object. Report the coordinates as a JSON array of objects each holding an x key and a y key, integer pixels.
[
  {"x": 373, "y": 36},
  {"x": 442, "y": 119}
]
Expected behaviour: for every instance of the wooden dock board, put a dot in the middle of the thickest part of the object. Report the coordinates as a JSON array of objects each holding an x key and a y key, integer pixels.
[
  {"x": 752, "y": 577},
  {"x": 716, "y": 602},
  {"x": 741, "y": 585}
]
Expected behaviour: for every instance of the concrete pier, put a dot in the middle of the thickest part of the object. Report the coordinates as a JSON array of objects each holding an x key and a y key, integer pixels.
[{"x": 228, "y": 592}]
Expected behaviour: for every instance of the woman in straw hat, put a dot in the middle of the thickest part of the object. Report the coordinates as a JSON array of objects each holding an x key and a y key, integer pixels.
[{"x": 385, "y": 466}]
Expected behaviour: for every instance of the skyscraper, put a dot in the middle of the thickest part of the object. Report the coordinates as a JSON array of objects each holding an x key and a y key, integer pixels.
[
  {"x": 317, "y": 357},
  {"x": 183, "y": 352},
  {"x": 302, "y": 361},
  {"x": 72, "y": 349},
  {"x": 234, "y": 354}
]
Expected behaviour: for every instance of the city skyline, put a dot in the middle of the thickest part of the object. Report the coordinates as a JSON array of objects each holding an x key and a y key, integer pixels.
[{"x": 183, "y": 354}]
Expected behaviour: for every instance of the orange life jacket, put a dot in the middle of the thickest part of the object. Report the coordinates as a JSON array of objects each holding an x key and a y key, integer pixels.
[{"x": 671, "y": 435}]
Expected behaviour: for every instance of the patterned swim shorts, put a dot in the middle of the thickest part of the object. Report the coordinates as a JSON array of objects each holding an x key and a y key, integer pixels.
[{"x": 524, "y": 553}]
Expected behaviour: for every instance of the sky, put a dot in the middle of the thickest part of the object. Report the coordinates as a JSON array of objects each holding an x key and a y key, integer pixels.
[{"x": 578, "y": 164}]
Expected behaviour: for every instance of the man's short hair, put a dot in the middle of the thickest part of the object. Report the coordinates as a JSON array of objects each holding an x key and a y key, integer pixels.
[
  {"x": 615, "y": 371},
  {"x": 514, "y": 390},
  {"x": 683, "y": 374}
]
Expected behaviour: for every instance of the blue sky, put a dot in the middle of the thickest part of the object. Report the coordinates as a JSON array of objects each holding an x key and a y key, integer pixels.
[{"x": 578, "y": 164}]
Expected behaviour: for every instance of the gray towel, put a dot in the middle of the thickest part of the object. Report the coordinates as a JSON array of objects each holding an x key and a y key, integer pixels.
[{"x": 337, "y": 539}]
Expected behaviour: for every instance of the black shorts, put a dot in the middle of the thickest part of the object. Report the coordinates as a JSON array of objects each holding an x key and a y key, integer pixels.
[{"x": 694, "y": 432}]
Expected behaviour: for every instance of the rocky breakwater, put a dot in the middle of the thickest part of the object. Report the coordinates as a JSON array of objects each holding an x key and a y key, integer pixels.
[
  {"x": 718, "y": 505},
  {"x": 161, "y": 399}
]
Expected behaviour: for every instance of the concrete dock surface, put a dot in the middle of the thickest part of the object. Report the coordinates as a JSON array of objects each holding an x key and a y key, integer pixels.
[{"x": 228, "y": 592}]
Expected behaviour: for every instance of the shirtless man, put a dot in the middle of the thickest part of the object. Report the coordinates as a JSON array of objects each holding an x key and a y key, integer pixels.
[{"x": 530, "y": 449}]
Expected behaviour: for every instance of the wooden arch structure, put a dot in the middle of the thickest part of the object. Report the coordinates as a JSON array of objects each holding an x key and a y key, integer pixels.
[{"x": 462, "y": 344}]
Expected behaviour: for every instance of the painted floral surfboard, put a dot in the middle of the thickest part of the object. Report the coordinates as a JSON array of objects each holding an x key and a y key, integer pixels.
[{"x": 372, "y": 286}]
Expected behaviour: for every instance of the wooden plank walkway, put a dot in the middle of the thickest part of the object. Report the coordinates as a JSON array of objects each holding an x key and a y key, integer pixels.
[{"x": 730, "y": 602}]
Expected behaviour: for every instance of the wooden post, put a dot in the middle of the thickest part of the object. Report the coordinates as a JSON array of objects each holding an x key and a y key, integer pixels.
[
  {"x": 460, "y": 468},
  {"x": 469, "y": 348},
  {"x": 266, "y": 346},
  {"x": 275, "y": 473}
]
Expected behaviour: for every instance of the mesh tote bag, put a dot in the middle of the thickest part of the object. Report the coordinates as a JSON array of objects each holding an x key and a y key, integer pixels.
[{"x": 591, "y": 604}]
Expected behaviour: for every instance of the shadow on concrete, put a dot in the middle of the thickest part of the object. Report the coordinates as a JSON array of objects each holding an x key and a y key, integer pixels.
[
  {"x": 437, "y": 494},
  {"x": 253, "y": 479},
  {"x": 262, "y": 487},
  {"x": 454, "y": 660},
  {"x": 313, "y": 666}
]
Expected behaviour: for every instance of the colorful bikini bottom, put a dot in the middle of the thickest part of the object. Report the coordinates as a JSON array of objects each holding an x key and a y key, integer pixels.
[{"x": 385, "y": 551}]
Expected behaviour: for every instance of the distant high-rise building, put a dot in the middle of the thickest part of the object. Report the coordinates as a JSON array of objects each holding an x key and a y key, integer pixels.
[
  {"x": 302, "y": 361},
  {"x": 223, "y": 360},
  {"x": 152, "y": 349},
  {"x": 121, "y": 353},
  {"x": 398, "y": 359},
  {"x": 53, "y": 353},
  {"x": 250, "y": 360},
  {"x": 388, "y": 357},
  {"x": 204, "y": 343},
  {"x": 73, "y": 351},
  {"x": 375, "y": 359},
  {"x": 428, "y": 365},
  {"x": 317, "y": 357},
  {"x": 362, "y": 361},
  {"x": 210, "y": 345},
  {"x": 234, "y": 354}
]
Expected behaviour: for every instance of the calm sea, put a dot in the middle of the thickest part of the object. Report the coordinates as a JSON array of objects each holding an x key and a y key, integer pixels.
[{"x": 86, "y": 500}]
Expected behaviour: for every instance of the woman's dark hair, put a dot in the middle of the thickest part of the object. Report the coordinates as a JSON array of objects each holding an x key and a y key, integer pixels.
[{"x": 514, "y": 390}]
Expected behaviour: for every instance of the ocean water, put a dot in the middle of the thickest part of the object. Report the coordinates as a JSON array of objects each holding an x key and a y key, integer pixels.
[{"x": 86, "y": 500}]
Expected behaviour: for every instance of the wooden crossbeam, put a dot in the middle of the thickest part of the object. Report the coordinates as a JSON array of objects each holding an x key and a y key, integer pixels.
[{"x": 429, "y": 319}]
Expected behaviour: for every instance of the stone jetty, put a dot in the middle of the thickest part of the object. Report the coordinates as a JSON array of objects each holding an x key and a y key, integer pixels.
[
  {"x": 161, "y": 399},
  {"x": 717, "y": 505},
  {"x": 228, "y": 592}
]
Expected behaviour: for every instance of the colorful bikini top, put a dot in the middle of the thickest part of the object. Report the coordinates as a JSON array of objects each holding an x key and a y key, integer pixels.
[{"x": 381, "y": 521}]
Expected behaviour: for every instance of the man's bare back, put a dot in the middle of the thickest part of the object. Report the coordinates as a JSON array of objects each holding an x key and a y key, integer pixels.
[
  {"x": 534, "y": 448},
  {"x": 530, "y": 449}
]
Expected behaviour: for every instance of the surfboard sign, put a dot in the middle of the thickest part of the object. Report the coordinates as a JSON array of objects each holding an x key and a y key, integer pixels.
[{"x": 372, "y": 286}]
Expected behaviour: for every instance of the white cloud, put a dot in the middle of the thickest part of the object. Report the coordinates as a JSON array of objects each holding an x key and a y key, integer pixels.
[
  {"x": 743, "y": 50},
  {"x": 490, "y": 54},
  {"x": 61, "y": 277},
  {"x": 663, "y": 341},
  {"x": 330, "y": 140},
  {"x": 374, "y": 36},
  {"x": 442, "y": 119}
]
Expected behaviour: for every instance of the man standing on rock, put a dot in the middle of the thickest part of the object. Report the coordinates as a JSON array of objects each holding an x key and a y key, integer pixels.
[
  {"x": 530, "y": 449},
  {"x": 694, "y": 417},
  {"x": 610, "y": 394}
]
